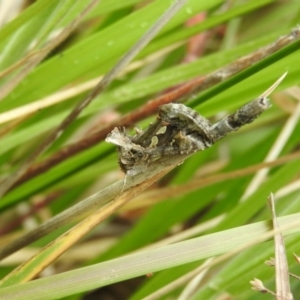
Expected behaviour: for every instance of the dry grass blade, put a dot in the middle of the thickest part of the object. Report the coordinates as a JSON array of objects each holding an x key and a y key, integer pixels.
[
  {"x": 192, "y": 286},
  {"x": 267, "y": 92},
  {"x": 192, "y": 277},
  {"x": 104, "y": 82},
  {"x": 283, "y": 290}
]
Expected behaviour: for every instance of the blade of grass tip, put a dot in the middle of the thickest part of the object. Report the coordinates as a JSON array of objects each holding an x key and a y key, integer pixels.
[
  {"x": 273, "y": 86},
  {"x": 283, "y": 290},
  {"x": 106, "y": 80}
]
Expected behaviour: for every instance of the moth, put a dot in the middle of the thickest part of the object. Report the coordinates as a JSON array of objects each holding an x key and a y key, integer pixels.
[{"x": 179, "y": 130}]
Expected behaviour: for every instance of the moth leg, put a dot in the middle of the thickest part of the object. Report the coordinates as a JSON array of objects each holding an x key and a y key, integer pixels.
[{"x": 144, "y": 137}]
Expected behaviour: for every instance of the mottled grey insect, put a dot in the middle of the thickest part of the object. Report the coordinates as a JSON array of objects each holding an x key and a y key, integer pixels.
[
  {"x": 180, "y": 130},
  {"x": 185, "y": 132}
]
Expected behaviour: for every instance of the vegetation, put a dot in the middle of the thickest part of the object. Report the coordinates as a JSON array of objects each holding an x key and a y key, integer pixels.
[{"x": 200, "y": 232}]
